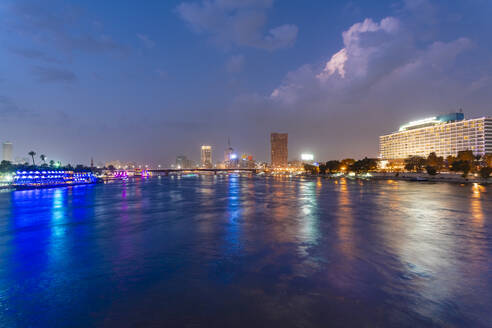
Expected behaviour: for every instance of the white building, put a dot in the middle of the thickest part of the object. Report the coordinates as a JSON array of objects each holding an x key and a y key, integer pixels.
[
  {"x": 445, "y": 135},
  {"x": 7, "y": 152}
]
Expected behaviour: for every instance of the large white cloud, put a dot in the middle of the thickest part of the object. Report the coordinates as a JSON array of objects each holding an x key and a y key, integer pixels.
[
  {"x": 238, "y": 22},
  {"x": 374, "y": 54}
]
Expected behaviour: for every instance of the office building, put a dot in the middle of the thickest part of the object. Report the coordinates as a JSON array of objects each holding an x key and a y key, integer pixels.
[
  {"x": 445, "y": 135},
  {"x": 182, "y": 162},
  {"x": 7, "y": 152},
  {"x": 279, "y": 149},
  {"x": 229, "y": 151},
  {"x": 230, "y": 157},
  {"x": 206, "y": 156},
  {"x": 246, "y": 162}
]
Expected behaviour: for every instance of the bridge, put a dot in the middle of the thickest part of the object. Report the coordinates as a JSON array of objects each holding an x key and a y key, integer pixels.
[{"x": 215, "y": 171}]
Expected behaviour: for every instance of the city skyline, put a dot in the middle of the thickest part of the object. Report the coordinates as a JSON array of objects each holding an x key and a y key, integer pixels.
[{"x": 88, "y": 88}]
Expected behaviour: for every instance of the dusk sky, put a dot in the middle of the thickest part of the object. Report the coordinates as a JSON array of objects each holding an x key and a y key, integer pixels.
[{"x": 145, "y": 81}]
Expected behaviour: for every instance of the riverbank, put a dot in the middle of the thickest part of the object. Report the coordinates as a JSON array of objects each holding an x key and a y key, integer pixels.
[{"x": 419, "y": 177}]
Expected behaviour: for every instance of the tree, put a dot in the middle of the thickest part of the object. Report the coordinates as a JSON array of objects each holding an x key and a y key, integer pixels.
[
  {"x": 81, "y": 168},
  {"x": 322, "y": 168},
  {"x": 313, "y": 169},
  {"x": 43, "y": 158},
  {"x": 485, "y": 172},
  {"x": 346, "y": 163},
  {"x": 415, "y": 163},
  {"x": 32, "y": 154},
  {"x": 437, "y": 162},
  {"x": 52, "y": 163},
  {"x": 449, "y": 161},
  {"x": 466, "y": 155},
  {"x": 333, "y": 166},
  {"x": 488, "y": 160},
  {"x": 5, "y": 166},
  {"x": 461, "y": 166},
  {"x": 364, "y": 165},
  {"x": 431, "y": 170}
]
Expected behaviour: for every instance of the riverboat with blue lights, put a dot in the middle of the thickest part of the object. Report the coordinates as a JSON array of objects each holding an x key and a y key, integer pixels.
[{"x": 51, "y": 179}]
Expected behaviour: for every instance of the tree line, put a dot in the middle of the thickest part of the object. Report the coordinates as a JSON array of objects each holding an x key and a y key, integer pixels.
[
  {"x": 465, "y": 162},
  {"x": 346, "y": 165},
  {"x": 9, "y": 167}
]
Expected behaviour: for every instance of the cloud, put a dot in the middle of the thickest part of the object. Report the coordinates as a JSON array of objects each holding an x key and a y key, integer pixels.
[
  {"x": 8, "y": 106},
  {"x": 235, "y": 64},
  {"x": 162, "y": 73},
  {"x": 372, "y": 52},
  {"x": 382, "y": 75},
  {"x": 35, "y": 55},
  {"x": 237, "y": 22},
  {"x": 59, "y": 25},
  {"x": 149, "y": 43},
  {"x": 53, "y": 75},
  {"x": 335, "y": 65}
]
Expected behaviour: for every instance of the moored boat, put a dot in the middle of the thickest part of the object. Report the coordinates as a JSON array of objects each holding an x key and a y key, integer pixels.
[{"x": 50, "y": 179}]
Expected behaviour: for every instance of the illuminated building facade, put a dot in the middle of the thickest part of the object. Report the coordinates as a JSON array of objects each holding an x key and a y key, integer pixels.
[
  {"x": 246, "y": 162},
  {"x": 206, "y": 156},
  {"x": 445, "y": 135},
  {"x": 7, "y": 152},
  {"x": 307, "y": 158},
  {"x": 279, "y": 149}
]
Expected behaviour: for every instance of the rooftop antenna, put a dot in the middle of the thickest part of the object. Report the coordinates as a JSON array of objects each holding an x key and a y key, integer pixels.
[{"x": 229, "y": 142}]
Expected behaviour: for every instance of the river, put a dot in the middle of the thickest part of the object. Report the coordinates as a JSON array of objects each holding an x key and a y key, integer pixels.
[{"x": 243, "y": 251}]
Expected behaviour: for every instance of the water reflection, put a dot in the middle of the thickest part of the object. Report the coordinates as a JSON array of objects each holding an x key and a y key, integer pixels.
[
  {"x": 57, "y": 246},
  {"x": 476, "y": 204},
  {"x": 345, "y": 220},
  {"x": 234, "y": 214},
  {"x": 246, "y": 251},
  {"x": 308, "y": 205}
]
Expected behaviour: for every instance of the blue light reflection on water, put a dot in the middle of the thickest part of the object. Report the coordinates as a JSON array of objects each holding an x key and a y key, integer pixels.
[{"x": 229, "y": 250}]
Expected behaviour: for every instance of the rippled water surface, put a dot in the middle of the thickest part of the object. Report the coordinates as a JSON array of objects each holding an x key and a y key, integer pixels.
[{"x": 230, "y": 251}]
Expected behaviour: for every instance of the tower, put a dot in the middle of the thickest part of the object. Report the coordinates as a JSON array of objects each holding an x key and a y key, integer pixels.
[
  {"x": 279, "y": 149},
  {"x": 7, "y": 151},
  {"x": 206, "y": 156}
]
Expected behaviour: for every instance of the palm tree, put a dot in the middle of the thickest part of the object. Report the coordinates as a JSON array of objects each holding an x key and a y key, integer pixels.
[
  {"x": 43, "y": 158},
  {"x": 32, "y": 154}
]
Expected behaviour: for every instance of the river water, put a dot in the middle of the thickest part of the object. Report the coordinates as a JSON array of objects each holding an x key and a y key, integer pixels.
[{"x": 232, "y": 251}]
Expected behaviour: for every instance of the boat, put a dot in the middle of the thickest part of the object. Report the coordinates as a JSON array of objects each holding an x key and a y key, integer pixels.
[{"x": 50, "y": 179}]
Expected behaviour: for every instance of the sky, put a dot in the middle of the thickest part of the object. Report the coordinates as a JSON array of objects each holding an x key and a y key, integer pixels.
[{"x": 145, "y": 81}]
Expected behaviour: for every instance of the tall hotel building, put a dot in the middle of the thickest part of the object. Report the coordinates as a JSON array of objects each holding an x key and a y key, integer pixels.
[
  {"x": 279, "y": 149},
  {"x": 445, "y": 135},
  {"x": 7, "y": 152},
  {"x": 206, "y": 156}
]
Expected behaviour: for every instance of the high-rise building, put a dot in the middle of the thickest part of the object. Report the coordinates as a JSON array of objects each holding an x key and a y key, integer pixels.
[
  {"x": 182, "y": 162},
  {"x": 279, "y": 149},
  {"x": 7, "y": 152},
  {"x": 445, "y": 135},
  {"x": 230, "y": 157},
  {"x": 228, "y": 152},
  {"x": 206, "y": 156}
]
